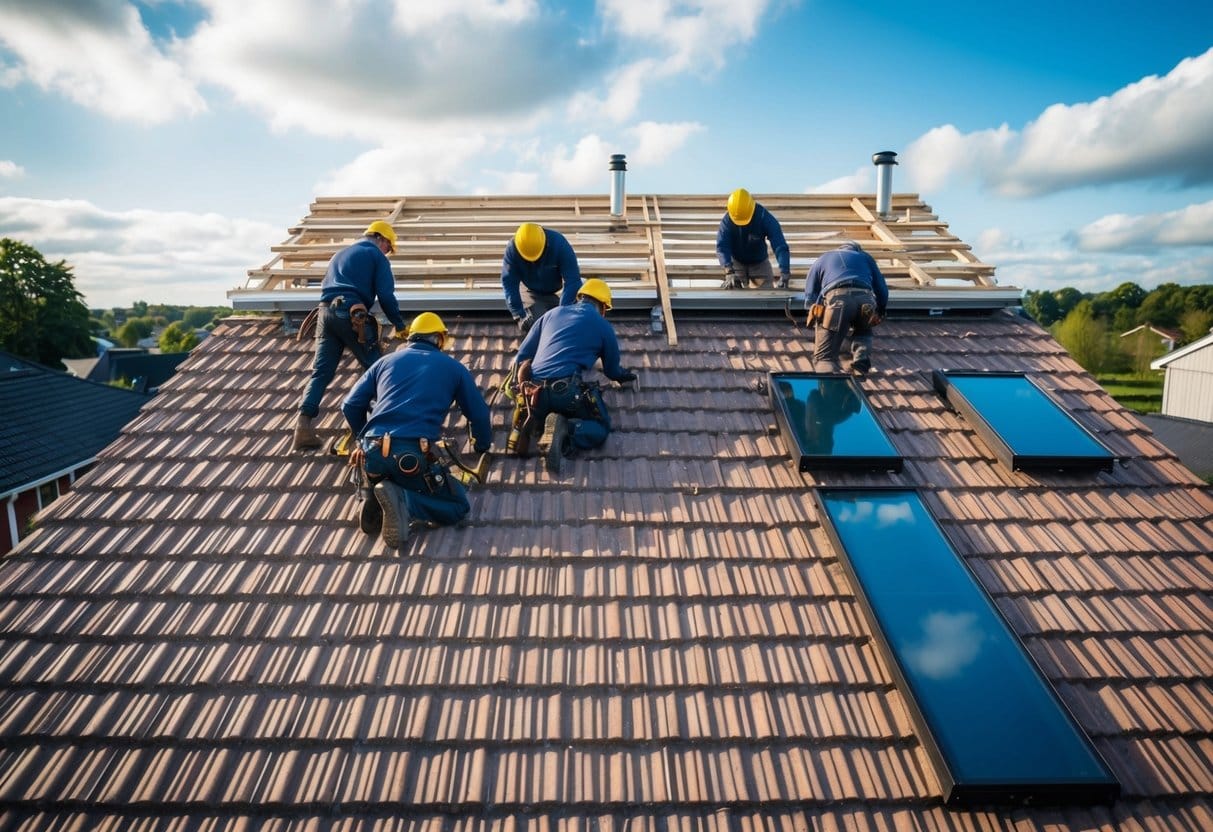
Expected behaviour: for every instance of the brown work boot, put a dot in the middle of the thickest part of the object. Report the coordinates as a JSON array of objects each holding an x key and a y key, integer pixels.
[
  {"x": 395, "y": 511},
  {"x": 305, "y": 435}
]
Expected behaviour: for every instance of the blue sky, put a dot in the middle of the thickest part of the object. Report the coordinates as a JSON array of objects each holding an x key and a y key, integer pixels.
[{"x": 162, "y": 147}]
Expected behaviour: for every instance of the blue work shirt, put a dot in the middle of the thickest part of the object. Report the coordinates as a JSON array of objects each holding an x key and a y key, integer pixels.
[
  {"x": 568, "y": 340},
  {"x": 748, "y": 243},
  {"x": 557, "y": 266},
  {"x": 846, "y": 265},
  {"x": 413, "y": 389},
  {"x": 361, "y": 273}
]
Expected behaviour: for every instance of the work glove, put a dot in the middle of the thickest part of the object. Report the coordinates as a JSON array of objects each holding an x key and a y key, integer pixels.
[
  {"x": 627, "y": 378},
  {"x": 731, "y": 280},
  {"x": 525, "y": 323},
  {"x": 782, "y": 281}
]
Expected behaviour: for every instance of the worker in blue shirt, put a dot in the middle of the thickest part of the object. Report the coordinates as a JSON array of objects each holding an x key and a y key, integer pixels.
[
  {"x": 356, "y": 276},
  {"x": 538, "y": 263},
  {"x": 564, "y": 343},
  {"x": 396, "y": 412},
  {"x": 851, "y": 295},
  {"x": 741, "y": 244}
]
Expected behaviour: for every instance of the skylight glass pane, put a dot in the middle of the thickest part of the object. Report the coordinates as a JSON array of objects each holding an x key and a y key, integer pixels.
[
  {"x": 1031, "y": 428},
  {"x": 999, "y": 729},
  {"x": 827, "y": 423}
]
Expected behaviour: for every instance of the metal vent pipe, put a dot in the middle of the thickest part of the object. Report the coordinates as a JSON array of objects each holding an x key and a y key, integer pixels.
[
  {"x": 618, "y": 167},
  {"x": 884, "y": 161}
]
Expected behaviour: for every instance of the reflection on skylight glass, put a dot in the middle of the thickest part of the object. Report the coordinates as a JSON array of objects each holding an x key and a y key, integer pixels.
[
  {"x": 1028, "y": 421},
  {"x": 829, "y": 418},
  {"x": 989, "y": 711}
]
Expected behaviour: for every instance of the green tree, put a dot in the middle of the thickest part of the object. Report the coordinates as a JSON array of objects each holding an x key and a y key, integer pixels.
[
  {"x": 1124, "y": 319},
  {"x": 1142, "y": 348},
  {"x": 1163, "y": 306},
  {"x": 1042, "y": 306},
  {"x": 1085, "y": 337},
  {"x": 129, "y": 333},
  {"x": 42, "y": 315},
  {"x": 178, "y": 338},
  {"x": 1067, "y": 299},
  {"x": 1195, "y": 324},
  {"x": 139, "y": 309}
]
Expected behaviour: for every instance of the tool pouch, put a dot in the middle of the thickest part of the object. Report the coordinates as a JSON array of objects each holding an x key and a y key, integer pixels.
[
  {"x": 869, "y": 315},
  {"x": 358, "y": 320},
  {"x": 816, "y": 312}
]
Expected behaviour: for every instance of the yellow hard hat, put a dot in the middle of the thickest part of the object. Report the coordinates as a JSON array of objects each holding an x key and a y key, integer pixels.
[
  {"x": 427, "y": 323},
  {"x": 385, "y": 231},
  {"x": 596, "y": 289},
  {"x": 741, "y": 206},
  {"x": 529, "y": 239}
]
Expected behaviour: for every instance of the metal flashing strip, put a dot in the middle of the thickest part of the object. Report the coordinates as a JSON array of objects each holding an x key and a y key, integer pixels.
[
  {"x": 826, "y": 423},
  {"x": 1024, "y": 426},
  {"x": 992, "y": 725},
  {"x": 446, "y": 300}
]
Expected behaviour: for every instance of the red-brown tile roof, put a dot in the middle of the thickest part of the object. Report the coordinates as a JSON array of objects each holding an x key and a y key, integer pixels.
[{"x": 199, "y": 635}]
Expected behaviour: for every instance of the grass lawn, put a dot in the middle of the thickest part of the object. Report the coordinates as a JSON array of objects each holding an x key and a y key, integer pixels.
[{"x": 1143, "y": 395}]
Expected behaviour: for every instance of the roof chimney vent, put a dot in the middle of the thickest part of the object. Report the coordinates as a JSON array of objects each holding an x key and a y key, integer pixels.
[
  {"x": 884, "y": 161},
  {"x": 618, "y": 168}
]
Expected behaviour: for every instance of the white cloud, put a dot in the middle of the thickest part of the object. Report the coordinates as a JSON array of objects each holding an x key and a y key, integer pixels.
[
  {"x": 586, "y": 166},
  {"x": 337, "y": 69},
  {"x": 657, "y": 141},
  {"x": 415, "y": 16},
  {"x": 693, "y": 33},
  {"x": 686, "y": 35},
  {"x": 97, "y": 54},
  {"x": 1156, "y": 128},
  {"x": 431, "y": 162},
  {"x": 10, "y": 169},
  {"x": 121, "y": 256},
  {"x": 1190, "y": 226},
  {"x": 863, "y": 180}
]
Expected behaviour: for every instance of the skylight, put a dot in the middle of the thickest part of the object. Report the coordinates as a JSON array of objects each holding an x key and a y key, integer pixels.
[
  {"x": 826, "y": 423},
  {"x": 994, "y": 727},
  {"x": 1024, "y": 427}
]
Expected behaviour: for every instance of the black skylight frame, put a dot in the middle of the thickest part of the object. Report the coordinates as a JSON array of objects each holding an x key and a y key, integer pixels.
[
  {"x": 881, "y": 456},
  {"x": 1020, "y": 458},
  {"x": 959, "y": 789}
]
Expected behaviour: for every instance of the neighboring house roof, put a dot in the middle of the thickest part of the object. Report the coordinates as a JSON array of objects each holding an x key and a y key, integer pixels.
[
  {"x": 147, "y": 370},
  {"x": 51, "y": 421},
  {"x": 199, "y": 634},
  {"x": 1190, "y": 439},
  {"x": 1165, "y": 334},
  {"x": 1182, "y": 352}
]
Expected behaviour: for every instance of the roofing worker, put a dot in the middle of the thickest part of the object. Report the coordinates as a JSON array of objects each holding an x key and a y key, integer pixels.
[
  {"x": 539, "y": 262},
  {"x": 741, "y": 244},
  {"x": 356, "y": 276},
  {"x": 396, "y": 411},
  {"x": 848, "y": 284},
  {"x": 564, "y": 343}
]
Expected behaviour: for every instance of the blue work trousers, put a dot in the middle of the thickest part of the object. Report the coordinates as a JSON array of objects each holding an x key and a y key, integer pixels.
[
  {"x": 589, "y": 419},
  {"x": 432, "y": 494},
  {"x": 334, "y": 334}
]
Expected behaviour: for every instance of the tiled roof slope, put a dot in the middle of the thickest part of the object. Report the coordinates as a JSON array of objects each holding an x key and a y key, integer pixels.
[
  {"x": 51, "y": 421},
  {"x": 661, "y": 638}
]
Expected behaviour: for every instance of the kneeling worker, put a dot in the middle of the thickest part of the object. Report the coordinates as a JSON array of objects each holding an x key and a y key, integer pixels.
[
  {"x": 538, "y": 263},
  {"x": 563, "y": 344},
  {"x": 412, "y": 389}
]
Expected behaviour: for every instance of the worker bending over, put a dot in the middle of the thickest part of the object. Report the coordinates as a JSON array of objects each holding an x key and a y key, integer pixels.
[
  {"x": 562, "y": 345},
  {"x": 848, "y": 284},
  {"x": 411, "y": 390},
  {"x": 356, "y": 276}
]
